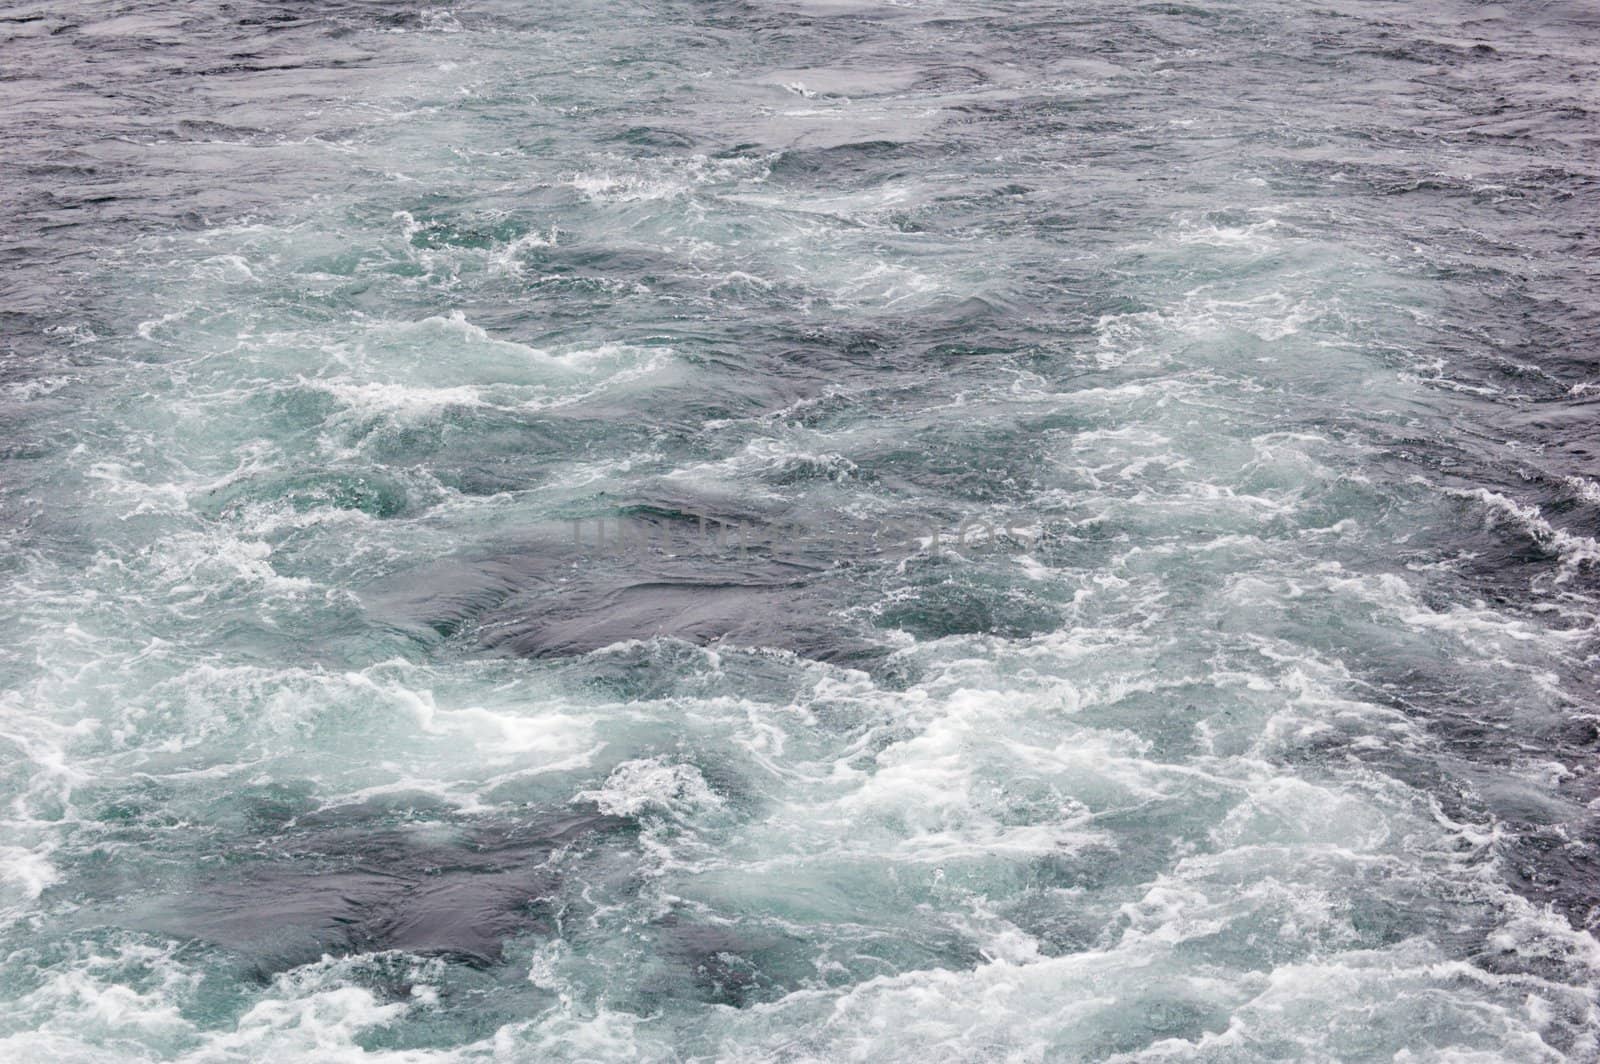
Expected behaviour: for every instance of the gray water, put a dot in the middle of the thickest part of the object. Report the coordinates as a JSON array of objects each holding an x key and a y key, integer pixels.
[{"x": 1255, "y": 721}]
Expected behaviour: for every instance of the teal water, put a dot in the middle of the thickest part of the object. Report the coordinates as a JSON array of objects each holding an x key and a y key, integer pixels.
[{"x": 1266, "y": 734}]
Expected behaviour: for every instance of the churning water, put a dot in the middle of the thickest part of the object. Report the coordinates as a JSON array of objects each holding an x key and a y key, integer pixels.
[{"x": 1253, "y": 342}]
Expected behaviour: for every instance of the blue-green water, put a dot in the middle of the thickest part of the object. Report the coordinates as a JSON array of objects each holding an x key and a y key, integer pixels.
[{"x": 1266, "y": 734}]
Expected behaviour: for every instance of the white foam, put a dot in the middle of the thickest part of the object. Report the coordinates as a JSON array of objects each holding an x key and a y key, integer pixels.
[
  {"x": 653, "y": 785},
  {"x": 1573, "y": 550}
]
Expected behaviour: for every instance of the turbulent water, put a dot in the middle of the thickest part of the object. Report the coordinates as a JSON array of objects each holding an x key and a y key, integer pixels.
[{"x": 805, "y": 531}]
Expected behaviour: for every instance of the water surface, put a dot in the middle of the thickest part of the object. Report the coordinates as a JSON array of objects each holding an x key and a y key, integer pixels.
[{"x": 1266, "y": 733}]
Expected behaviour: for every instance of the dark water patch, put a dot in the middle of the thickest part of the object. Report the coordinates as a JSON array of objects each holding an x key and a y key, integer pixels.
[
  {"x": 642, "y": 574},
  {"x": 439, "y": 599},
  {"x": 371, "y": 492},
  {"x": 654, "y": 137},
  {"x": 787, "y": 615},
  {"x": 848, "y": 165},
  {"x": 340, "y": 883},
  {"x": 943, "y": 603}
]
